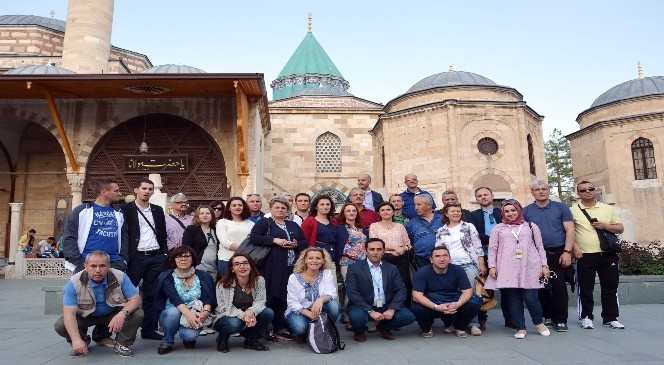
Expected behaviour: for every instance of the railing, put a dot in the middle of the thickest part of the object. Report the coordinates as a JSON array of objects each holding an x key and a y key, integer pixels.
[{"x": 46, "y": 269}]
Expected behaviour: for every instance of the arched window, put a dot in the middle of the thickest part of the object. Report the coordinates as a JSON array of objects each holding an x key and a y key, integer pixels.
[
  {"x": 531, "y": 155},
  {"x": 328, "y": 153},
  {"x": 643, "y": 155}
]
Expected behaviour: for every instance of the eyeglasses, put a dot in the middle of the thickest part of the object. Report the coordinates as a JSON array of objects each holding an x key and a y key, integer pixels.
[
  {"x": 218, "y": 208},
  {"x": 544, "y": 280},
  {"x": 183, "y": 257},
  {"x": 243, "y": 263},
  {"x": 586, "y": 190}
]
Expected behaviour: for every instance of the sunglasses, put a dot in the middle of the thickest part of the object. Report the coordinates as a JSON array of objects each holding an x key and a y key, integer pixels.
[
  {"x": 218, "y": 208},
  {"x": 586, "y": 190},
  {"x": 544, "y": 280}
]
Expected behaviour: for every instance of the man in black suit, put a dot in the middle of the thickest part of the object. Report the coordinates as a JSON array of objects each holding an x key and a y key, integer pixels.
[
  {"x": 376, "y": 291},
  {"x": 484, "y": 219},
  {"x": 146, "y": 228}
]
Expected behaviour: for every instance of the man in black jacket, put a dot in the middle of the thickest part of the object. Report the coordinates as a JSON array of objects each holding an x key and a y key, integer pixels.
[
  {"x": 146, "y": 229},
  {"x": 376, "y": 291}
]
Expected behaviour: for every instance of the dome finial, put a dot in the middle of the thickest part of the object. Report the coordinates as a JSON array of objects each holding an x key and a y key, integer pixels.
[
  {"x": 639, "y": 70},
  {"x": 451, "y": 68},
  {"x": 309, "y": 22}
]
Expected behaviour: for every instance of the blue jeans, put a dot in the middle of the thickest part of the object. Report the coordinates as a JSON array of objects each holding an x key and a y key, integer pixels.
[
  {"x": 170, "y": 322},
  {"x": 226, "y": 326},
  {"x": 514, "y": 299},
  {"x": 222, "y": 267},
  {"x": 359, "y": 317},
  {"x": 298, "y": 324}
]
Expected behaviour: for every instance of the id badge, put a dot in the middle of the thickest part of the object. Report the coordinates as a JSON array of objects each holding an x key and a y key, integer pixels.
[
  {"x": 518, "y": 254},
  {"x": 378, "y": 303}
]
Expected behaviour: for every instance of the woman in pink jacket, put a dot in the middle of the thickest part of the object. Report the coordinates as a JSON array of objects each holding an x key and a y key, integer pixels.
[{"x": 517, "y": 261}]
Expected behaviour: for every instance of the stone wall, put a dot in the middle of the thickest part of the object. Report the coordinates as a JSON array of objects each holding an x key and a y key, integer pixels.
[
  {"x": 603, "y": 155},
  {"x": 622, "y": 109},
  {"x": 290, "y": 164},
  {"x": 440, "y": 146}
]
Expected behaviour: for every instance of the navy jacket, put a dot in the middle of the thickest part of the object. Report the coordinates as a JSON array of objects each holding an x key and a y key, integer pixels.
[
  {"x": 166, "y": 290},
  {"x": 359, "y": 286},
  {"x": 477, "y": 219}
]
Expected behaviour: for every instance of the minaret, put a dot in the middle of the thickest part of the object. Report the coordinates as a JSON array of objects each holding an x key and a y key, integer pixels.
[{"x": 87, "y": 45}]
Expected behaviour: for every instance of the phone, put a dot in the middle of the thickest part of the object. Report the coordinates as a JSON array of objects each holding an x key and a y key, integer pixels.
[{"x": 594, "y": 220}]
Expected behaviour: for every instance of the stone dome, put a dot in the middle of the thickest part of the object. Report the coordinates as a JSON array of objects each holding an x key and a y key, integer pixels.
[
  {"x": 451, "y": 78},
  {"x": 653, "y": 85},
  {"x": 173, "y": 69},
  {"x": 39, "y": 70}
]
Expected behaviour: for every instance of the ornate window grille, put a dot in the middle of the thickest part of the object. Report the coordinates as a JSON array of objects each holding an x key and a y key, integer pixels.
[
  {"x": 328, "y": 153},
  {"x": 487, "y": 146},
  {"x": 643, "y": 155}
]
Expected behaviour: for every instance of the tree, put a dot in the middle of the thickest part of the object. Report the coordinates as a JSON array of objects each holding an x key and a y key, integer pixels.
[{"x": 559, "y": 166}]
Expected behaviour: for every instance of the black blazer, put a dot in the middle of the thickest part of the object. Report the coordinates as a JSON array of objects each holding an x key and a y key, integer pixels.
[
  {"x": 359, "y": 286},
  {"x": 194, "y": 237},
  {"x": 477, "y": 219},
  {"x": 134, "y": 230}
]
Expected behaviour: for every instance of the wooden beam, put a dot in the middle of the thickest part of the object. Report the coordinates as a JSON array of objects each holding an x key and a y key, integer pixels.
[
  {"x": 61, "y": 131},
  {"x": 242, "y": 124}
]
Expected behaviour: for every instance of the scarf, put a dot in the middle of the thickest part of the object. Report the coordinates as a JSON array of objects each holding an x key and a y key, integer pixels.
[
  {"x": 310, "y": 290},
  {"x": 184, "y": 275},
  {"x": 519, "y": 219}
]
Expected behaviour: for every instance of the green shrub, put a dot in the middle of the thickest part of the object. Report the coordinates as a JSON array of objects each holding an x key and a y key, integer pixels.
[{"x": 642, "y": 258}]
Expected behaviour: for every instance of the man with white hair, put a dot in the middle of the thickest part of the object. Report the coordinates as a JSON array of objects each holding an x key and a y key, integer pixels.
[
  {"x": 556, "y": 223},
  {"x": 177, "y": 220},
  {"x": 408, "y": 196},
  {"x": 422, "y": 228}
]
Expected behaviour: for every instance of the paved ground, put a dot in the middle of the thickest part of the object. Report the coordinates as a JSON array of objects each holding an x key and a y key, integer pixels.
[{"x": 27, "y": 337}]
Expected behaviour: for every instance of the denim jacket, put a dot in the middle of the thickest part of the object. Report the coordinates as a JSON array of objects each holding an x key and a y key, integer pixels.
[{"x": 422, "y": 234}]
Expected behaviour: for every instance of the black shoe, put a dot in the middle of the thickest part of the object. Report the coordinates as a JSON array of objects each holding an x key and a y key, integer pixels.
[
  {"x": 222, "y": 345},
  {"x": 189, "y": 344},
  {"x": 560, "y": 327},
  {"x": 164, "y": 349},
  {"x": 150, "y": 335},
  {"x": 255, "y": 345}
]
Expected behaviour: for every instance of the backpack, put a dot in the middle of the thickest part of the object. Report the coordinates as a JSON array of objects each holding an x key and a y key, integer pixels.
[{"x": 323, "y": 336}]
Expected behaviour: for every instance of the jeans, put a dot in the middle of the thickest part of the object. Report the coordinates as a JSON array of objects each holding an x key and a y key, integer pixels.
[
  {"x": 170, "y": 322},
  {"x": 514, "y": 299},
  {"x": 222, "y": 267},
  {"x": 126, "y": 336},
  {"x": 461, "y": 319},
  {"x": 147, "y": 268},
  {"x": 226, "y": 326},
  {"x": 359, "y": 317},
  {"x": 554, "y": 296},
  {"x": 606, "y": 267},
  {"x": 471, "y": 273},
  {"x": 298, "y": 323}
]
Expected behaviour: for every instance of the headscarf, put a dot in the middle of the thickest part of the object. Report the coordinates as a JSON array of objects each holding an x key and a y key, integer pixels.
[{"x": 513, "y": 202}]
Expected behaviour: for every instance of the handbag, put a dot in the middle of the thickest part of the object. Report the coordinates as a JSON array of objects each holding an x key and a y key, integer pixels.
[
  {"x": 195, "y": 307},
  {"x": 258, "y": 253},
  {"x": 608, "y": 241}
]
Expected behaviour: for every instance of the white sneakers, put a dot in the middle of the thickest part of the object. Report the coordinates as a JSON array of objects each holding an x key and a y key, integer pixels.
[
  {"x": 475, "y": 331},
  {"x": 520, "y": 335},
  {"x": 615, "y": 325},
  {"x": 587, "y": 323},
  {"x": 542, "y": 330}
]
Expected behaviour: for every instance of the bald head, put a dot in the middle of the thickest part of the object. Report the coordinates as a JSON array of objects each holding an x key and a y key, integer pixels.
[{"x": 363, "y": 182}]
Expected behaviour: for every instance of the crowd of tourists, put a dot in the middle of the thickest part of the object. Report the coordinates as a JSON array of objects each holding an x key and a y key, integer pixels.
[{"x": 231, "y": 269}]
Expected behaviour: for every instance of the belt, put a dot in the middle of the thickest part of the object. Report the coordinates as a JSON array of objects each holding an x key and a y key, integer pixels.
[{"x": 154, "y": 252}]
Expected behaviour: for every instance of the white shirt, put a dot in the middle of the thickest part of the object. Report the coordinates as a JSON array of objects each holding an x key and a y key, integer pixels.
[
  {"x": 147, "y": 240},
  {"x": 376, "y": 272},
  {"x": 368, "y": 200},
  {"x": 228, "y": 232},
  {"x": 458, "y": 255},
  {"x": 296, "y": 298}
]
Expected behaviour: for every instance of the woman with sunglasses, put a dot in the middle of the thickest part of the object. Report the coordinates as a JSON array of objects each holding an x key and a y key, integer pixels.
[
  {"x": 241, "y": 305},
  {"x": 183, "y": 291},
  {"x": 232, "y": 229},
  {"x": 218, "y": 207},
  {"x": 517, "y": 262}
]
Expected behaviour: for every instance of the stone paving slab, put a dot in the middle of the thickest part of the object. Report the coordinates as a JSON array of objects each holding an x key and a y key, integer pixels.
[{"x": 27, "y": 337}]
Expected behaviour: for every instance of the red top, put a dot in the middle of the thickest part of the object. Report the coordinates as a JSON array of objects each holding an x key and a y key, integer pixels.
[{"x": 310, "y": 229}]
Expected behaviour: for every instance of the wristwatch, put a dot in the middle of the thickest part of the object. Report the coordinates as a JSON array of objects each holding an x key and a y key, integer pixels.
[
  {"x": 567, "y": 251},
  {"x": 126, "y": 312}
]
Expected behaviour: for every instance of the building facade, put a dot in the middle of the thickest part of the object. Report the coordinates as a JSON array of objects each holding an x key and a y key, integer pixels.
[{"x": 618, "y": 148}]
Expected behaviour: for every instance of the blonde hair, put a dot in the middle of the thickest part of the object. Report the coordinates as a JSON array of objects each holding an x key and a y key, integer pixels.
[{"x": 301, "y": 265}]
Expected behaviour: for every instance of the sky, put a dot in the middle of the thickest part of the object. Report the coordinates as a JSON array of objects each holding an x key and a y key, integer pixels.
[{"x": 560, "y": 55}]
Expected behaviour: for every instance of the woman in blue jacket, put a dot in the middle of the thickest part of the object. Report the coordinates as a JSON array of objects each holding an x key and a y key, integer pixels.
[{"x": 185, "y": 297}]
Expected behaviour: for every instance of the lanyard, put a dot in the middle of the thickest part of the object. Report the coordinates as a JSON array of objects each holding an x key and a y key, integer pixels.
[{"x": 516, "y": 234}]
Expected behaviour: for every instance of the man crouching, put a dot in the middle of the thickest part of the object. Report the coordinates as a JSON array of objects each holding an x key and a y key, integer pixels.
[{"x": 100, "y": 296}]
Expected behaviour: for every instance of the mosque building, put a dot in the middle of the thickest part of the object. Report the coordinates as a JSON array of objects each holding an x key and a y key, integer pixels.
[
  {"x": 74, "y": 108},
  {"x": 620, "y": 141}
]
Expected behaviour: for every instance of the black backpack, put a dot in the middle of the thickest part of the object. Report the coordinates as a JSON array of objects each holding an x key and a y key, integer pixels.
[{"x": 323, "y": 336}]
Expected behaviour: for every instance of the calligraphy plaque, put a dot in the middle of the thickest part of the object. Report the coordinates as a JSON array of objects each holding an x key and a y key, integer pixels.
[{"x": 139, "y": 164}]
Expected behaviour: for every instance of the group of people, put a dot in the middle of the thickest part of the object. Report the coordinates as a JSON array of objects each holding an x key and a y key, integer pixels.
[
  {"x": 44, "y": 249},
  {"x": 389, "y": 263}
]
